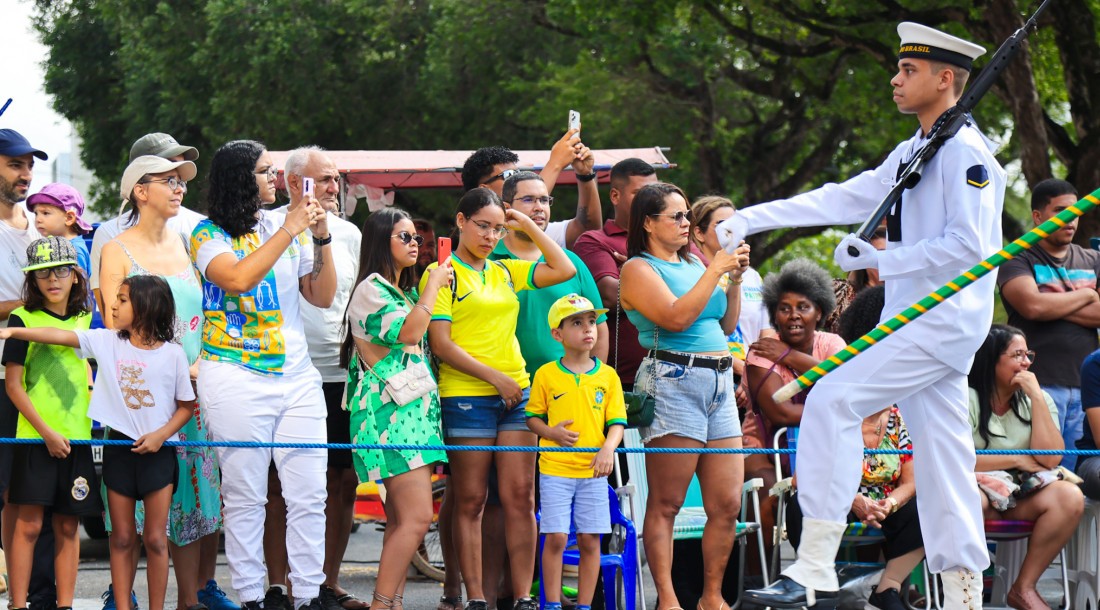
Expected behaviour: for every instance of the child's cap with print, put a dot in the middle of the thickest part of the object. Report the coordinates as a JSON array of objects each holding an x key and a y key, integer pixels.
[
  {"x": 50, "y": 252},
  {"x": 61, "y": 196},
  {"x": 570, "y": 305}
]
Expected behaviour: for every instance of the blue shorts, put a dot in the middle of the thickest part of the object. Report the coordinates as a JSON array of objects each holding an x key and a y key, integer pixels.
[
  {"x": 691, "y": 401},
  {"x": 482, "y": 416},
  {"x": 585, "y": 500}
]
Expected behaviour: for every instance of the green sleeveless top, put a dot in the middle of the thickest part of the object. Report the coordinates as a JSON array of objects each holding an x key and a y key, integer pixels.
[{"x": 56, "y": 380}]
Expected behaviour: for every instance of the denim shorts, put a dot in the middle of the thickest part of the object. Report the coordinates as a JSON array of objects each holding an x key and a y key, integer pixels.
[
  {"x": 691, "y": 401},
  {"x": 585, "y": 500},
  {"x": 482, "y": 416}
]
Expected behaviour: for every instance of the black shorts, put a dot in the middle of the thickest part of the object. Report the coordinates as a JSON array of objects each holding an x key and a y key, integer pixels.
[
  {"x": 136, "y": 475},
  {"x": 338, "y": 423},
  {"x": 9, "y": 418},
  {"x": 68, "y": 485}
]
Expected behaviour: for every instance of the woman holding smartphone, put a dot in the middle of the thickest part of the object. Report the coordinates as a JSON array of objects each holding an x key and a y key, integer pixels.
[{"x": 483, "y": 383}]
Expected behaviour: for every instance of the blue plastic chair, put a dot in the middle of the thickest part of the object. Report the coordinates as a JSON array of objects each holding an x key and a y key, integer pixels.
[{"x": 625, "y": 563}]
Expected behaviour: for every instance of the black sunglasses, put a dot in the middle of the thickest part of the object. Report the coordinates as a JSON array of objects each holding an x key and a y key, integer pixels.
[
  {"x": 504, "y": 175},
  {"x": 407, "y": 237}
]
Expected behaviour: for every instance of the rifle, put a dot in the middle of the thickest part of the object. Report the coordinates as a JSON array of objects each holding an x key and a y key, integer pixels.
[{"x": 949, "y": 124}]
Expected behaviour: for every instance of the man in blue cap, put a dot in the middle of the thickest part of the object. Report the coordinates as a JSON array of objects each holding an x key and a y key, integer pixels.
[{"x": 16, "y": 233}]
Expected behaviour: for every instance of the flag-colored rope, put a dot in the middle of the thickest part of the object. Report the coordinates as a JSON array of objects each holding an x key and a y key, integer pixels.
[{"x": 940, "y": 295}]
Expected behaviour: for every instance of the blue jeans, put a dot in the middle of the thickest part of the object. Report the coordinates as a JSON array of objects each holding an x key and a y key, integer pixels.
[{"x": 1071, "y": 418}]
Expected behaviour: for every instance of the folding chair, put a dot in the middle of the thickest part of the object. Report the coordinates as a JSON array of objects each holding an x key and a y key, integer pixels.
[
  {"x": 612, "y": 565},
  {"x": 1083, "y": 553},
  {"x": 692, "y": 518},
  {"x": 856, "y": 535},
  {"x": 1010, "y": 540}
]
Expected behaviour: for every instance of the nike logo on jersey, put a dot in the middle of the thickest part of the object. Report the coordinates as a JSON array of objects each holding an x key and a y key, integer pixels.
[
  {"x": 464, "y": 296},
  {"x": 557, "y": 396}
]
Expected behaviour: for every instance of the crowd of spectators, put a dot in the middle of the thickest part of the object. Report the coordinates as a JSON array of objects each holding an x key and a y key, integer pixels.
[{"x": 299, "y": 327}]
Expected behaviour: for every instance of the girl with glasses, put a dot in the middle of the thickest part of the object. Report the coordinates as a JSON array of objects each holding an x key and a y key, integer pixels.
[
  {"x": 484, "y": 386},
  {"x": 1008, "y": 410}
]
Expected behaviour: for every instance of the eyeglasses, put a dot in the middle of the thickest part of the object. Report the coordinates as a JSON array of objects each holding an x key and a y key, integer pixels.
[
  {"x": 1019, "y": 355},
  {"x": 59, "y": 272},
  {"x": 546, "y": 201},
  {"x": 173, "y": 183},
  {"x": 484, "y": 229},
  {"x": 407, "y": 237},
  {"x": 504, "y": 175},
  {"x": 270, "y": 171},
  {"x": 677, "y": 217}
]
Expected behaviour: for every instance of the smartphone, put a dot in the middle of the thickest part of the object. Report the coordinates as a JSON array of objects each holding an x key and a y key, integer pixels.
[
  {"x": 307, "y": 187},
  {"x": 574, "y": 120},
  {"x": 443, "y": 249}
]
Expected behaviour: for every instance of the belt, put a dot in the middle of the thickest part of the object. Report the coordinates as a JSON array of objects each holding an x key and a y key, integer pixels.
[{"x": 718, "y": 363}]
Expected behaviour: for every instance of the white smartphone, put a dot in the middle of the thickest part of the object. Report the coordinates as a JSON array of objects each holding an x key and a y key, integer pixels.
[
  {"x": 307, "y": 187},
  {"x": 574, "y": 120}
]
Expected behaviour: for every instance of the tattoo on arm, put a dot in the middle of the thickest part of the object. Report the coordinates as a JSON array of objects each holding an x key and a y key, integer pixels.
[{"x": 318, "y": 263}]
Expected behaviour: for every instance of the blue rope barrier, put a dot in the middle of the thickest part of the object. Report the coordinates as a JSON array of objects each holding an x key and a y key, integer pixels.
[{"x": 353, "y": 446}]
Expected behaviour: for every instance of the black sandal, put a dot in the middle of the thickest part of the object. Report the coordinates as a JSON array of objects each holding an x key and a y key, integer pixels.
[{"x": 455, "y": 602}]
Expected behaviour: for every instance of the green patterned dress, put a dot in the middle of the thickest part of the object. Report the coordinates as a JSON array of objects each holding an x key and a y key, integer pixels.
[{"x": 376, "y": 314}]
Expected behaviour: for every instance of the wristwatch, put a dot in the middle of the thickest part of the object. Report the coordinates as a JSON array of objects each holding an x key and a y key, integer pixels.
[{"x": 893, "y": 504}]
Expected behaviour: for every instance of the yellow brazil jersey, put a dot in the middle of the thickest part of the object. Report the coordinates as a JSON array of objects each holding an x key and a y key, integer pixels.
[
  {"x": 593, "y": 400},
  {"x": 482, "y": 308}
]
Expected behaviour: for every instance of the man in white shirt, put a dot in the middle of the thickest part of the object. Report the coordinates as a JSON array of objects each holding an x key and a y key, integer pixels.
[
  {"x": 16, "y": 233},
  {"x": 941, "y": 227},
  {"x": 324, "y": 336}
]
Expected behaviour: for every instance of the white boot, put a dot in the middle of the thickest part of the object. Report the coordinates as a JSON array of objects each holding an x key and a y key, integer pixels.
[
  {"x": 962, "y": 589},
  {"x": 816, "y": 554}
]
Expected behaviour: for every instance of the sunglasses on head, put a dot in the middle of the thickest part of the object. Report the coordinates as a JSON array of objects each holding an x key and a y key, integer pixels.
[{"x": 407, "y": 237}]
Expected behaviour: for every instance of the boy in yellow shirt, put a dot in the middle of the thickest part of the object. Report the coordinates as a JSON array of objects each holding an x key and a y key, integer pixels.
[{"x": 575, "y": 401}]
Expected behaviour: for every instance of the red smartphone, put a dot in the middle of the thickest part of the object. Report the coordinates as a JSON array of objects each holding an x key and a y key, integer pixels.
[{"x": 443, "y": 249}]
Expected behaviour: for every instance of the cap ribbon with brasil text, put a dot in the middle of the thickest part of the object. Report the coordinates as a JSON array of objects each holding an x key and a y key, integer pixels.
[{"x": 923, "y": 42}]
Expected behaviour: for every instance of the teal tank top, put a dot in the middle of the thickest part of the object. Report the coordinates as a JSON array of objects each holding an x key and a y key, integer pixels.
[{"x": 705, "y": 334}]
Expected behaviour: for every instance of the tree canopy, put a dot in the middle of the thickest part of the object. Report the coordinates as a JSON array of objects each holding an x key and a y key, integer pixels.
[{"x": 756, "y": 99}]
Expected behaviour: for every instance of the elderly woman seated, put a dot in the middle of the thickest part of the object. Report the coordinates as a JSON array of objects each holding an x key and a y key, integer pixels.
[
  {"x": 886, "y": 492},
  {"x": 1003, "y": 415}
]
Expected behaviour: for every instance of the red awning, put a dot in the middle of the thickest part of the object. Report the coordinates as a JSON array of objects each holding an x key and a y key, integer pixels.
[{"x": 418, "y": 169}]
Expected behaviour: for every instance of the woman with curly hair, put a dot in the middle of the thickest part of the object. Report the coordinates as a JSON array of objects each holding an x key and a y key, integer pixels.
[
  {"x": 255, "y": 379},
  {"x": 798, "y": 299}
]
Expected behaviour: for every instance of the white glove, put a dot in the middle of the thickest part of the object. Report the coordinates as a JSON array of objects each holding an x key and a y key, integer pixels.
[
  {"x": 867, "y": 257},
  {"x": 731, "y": 232}
]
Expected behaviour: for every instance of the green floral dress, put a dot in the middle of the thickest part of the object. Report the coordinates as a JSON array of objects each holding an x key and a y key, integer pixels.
[{"x": 376, "y": 314}]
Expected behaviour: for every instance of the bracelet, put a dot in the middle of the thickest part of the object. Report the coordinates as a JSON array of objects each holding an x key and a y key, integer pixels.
[
  {"x": 322, "y": 241},
  {"x": 586, "y": 177},
  {"x": 425, "y": 308},
  {"x": 288, "y": 233},
  {"x": 738, "y": 281}
]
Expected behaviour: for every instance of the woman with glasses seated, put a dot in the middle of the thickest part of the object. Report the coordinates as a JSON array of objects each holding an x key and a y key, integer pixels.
[
  {"x": 387, "y": 322},
  {"x": 1004, "y": 415},
  {"x": 683, "y": 319},
  {"x": 483, "y": 383}
]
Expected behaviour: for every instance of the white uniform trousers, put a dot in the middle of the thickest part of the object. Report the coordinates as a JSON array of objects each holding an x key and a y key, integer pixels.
[
  {"x": 244, "y": 406},
  {"x": 932, "y": 398}
]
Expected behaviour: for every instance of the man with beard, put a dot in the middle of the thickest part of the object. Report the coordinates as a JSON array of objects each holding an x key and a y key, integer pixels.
[
  {"x": 1050, "y": 293},
  {"x": 16, "y": 233},
  {"x": 526, "y": 192}
]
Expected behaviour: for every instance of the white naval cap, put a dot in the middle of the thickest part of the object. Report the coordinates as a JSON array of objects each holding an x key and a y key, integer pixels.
[{"x": 928, "y": 43}]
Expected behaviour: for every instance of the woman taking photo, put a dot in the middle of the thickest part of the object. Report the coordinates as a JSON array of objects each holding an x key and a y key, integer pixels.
[
  {"x": 1004, "y": 415},
  {"x": 155, "y": 188},
  {"x": 683, "y": 318},
  {"x": 256, "y": 380},
  {"x": 387, "y": 324},
  {"x": 483, "y": 383}
]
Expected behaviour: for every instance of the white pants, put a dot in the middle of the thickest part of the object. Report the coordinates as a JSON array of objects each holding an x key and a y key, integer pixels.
[
  {"x": 933, "y": 401},
  {"x": 244, "y": 406}
]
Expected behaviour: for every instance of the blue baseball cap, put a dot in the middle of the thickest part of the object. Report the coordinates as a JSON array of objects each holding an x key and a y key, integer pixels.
[{"x": 13, "y": 144}]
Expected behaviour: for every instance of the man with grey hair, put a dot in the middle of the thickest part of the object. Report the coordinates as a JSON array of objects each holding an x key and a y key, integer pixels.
[
  {"x": 324, "y": 336},
  {"x": 159, "y": 145}
]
